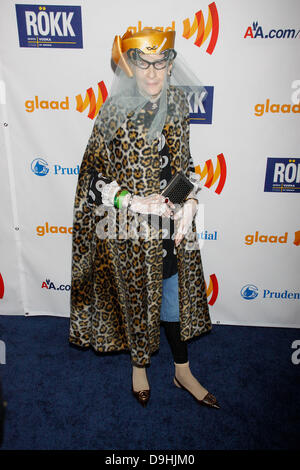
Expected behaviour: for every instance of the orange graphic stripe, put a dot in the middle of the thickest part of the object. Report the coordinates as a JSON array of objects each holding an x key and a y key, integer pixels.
[
  {"x": 212, "y": 288},
  {"x": 90, "y": 100},
  {"x": 203, "y": 31},
  {"x": 1, "y": 287},
  {"x": 213, "y": 13},
  {"x": 223, "y": 173},
  {"x": 212, "y": 176}
]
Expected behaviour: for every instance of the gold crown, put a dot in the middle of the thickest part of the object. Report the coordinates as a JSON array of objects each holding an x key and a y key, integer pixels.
[{"x": 149, "y": 41}]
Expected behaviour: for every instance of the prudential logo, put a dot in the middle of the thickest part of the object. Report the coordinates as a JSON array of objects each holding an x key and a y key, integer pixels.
[
  {"x": 40, "y": 167},
  {"x": 249, "y": 292}
]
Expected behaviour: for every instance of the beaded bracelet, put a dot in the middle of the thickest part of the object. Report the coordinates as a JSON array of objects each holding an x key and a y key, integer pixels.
[
  {"x": 116, "y": 198},
  {"x": 119, "y": 199}
]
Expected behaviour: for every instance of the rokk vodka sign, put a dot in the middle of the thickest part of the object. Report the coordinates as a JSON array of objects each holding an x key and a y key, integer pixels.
[{"x": 49, "y": 26}]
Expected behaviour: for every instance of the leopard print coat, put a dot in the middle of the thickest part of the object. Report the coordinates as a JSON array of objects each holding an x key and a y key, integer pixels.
[{"x": 116, "y": 287}]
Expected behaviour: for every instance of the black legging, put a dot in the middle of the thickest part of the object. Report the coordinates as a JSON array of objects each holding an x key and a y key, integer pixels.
[{"x": 178, "y": 348}]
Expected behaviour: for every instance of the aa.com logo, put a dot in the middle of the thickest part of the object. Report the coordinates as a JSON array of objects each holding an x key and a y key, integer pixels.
[
  {"x": 49, "y": 285},
  {"x": 255, "y": 31},
  {"x": 196, "y": 29},
  {"x": 213, "y": 175},
  {"x": 212, "y": 290},
  {"x": 91, "y": 101}
]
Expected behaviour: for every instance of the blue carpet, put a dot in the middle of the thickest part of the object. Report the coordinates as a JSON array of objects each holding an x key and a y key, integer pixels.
[{"x": 60, "y": 397}]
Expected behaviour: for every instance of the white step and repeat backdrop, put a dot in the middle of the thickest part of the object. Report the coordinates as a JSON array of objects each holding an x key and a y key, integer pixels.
[{"x": 55, "y": 72}]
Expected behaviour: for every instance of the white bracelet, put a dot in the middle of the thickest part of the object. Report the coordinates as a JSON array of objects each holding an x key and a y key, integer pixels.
[{"x": 108, "y": 193}]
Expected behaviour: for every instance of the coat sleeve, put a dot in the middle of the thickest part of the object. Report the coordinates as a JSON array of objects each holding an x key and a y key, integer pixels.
[{"x": 193, "y": 176}]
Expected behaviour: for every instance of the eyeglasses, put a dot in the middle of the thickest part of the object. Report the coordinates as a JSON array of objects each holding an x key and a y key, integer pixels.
[
  {"x": 145, "y": 64},
  {"x": 134, "y": 56}
]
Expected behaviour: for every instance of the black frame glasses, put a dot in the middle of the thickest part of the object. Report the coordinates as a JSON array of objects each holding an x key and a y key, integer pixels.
[{"x": 135, "y": 58}]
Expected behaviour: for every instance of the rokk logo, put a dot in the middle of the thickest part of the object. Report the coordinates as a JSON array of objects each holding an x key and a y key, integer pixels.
[
  {"x": 283, "y": 175},
  {"x": 212, "y": 290},
  {"x": 213, "y": 175},
  {"x": 81, "y": 105},
  {"x": 49, "y": 26},
  {"x": 203, "y": 31},
  {"x": 200, "y": 105},
  {"x": 90, "y": 100},
  {"x": 1, "y": 287}
]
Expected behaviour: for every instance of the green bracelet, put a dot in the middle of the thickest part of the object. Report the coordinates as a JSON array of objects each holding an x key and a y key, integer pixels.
[
  {"x": 116, "y": 199},
  {"x": 120, "y": 198}
]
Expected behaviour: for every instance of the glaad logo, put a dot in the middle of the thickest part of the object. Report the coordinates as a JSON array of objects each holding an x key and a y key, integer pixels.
[
  {"x": 250, "y": 239},
  {"x": 283, "y": 239},
  {"x": 282, "y": 175},
  {"x": 275, "y": 108},
  {"x": 203, "y": 31},
  {"x": 1, "y": 287},
  {"x": 90, "y": 100},
  {"x": 249, "y": 292},
  {"x": 297, "y": 238},
  {"x": 212, "y": 290},
  {"x": 256, "y": 31},
  {"x": 49, "y": 26},
  {"x": 32, "y": 105},
  {"x": 134, "y": 29},
  {"x": 213, "y": 175},
  {"x": 41, "y": 230},
  {"x": 47, "y": 284},
  {"x": 39, "y": 167},
  {"x": 64, "y": 105}
]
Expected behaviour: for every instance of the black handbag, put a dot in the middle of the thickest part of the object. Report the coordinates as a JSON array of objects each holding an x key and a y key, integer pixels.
[{"x": 177, "y": 190}]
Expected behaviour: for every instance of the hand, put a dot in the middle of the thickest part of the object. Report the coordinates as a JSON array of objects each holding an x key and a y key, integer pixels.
[
  {"x": 184, "y": 218},
  {"x": 154, "y": 204}
]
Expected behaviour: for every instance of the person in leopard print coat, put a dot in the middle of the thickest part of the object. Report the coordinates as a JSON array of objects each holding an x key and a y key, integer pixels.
[{"x": 122, "y": 285}]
